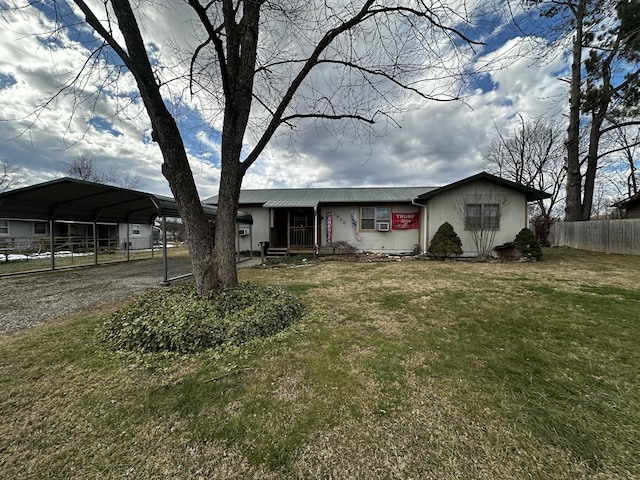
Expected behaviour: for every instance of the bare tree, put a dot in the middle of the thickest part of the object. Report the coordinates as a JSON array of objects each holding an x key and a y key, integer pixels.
[
  {"x": 533, "y": 155},
  {"x": 82, "y": 167},
  {"x": 604, "y": 85},
  {"x": 8, "y": 174},
  {"x": 480, "y": 213},
  {"x": 259, "y": 67},
  {"x": 625, "y": 145}
]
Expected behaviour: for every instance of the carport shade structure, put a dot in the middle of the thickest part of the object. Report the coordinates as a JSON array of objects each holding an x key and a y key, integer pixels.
[{"x": 71, "y": 200}]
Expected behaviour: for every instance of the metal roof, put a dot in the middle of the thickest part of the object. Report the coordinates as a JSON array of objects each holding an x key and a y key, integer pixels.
[
  {"x": 69, "y": 199},
  {"x": 311, "y": 197}
]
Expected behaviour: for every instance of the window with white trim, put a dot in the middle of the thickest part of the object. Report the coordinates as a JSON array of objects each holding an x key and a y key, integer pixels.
[
  {"x": 4, "y": 227},
  {"x": 135, "y": 230},
  {"x": 371, "y": 217},
  {"x": 482, "y": 216},
  {"x": 39, "y": 228}
]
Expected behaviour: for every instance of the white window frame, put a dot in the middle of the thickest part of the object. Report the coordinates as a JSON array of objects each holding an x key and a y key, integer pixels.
[
  {"x": 135, "y": 230},
  {"x": 4, "y": 227},
  {"x": 371, "y": 217},
  {"x": 39, "y": 234},
  {"x": 485, "y": 217}
]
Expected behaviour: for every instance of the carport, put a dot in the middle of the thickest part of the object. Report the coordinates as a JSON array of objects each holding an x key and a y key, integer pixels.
[{"x": 71, "y": 200}]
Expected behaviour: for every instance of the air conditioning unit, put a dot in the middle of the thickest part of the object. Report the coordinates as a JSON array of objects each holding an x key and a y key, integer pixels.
[
  {"x": 383, "y": 226},
  {"x": 243, "y": 232}
]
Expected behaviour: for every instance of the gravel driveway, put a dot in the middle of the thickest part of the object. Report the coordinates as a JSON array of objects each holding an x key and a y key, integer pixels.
[{"x": 32, "y": 299}]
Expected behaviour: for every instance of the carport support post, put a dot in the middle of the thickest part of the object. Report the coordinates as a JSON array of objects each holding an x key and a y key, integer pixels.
[
  {"x": 52, "y": 246},
  {"x": 165, "y": 263},
  {"x": 127, "y": 246},
  {"x": 95, "y": 243}
]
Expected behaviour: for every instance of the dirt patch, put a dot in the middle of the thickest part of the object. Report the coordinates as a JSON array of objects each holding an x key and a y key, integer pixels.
[{"x": 32, "y": 299}]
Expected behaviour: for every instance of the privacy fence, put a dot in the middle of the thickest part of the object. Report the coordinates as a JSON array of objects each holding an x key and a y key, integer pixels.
[{"x": 607, "y": 236}]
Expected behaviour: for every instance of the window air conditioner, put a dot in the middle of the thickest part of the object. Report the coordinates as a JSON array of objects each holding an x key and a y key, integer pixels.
[
  {"x": 243, "y": 232},
  {"x": 383, "y": 227}
]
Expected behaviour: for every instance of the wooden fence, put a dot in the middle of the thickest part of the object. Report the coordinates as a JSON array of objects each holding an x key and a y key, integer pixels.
[{"x": 607, "y": 236}]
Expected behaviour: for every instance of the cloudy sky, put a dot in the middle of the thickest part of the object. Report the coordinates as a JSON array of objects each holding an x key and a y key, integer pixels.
[{"x": 429, "y": 144}]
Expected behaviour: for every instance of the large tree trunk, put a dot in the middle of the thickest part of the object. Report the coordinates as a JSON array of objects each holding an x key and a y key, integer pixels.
[
  {"x": 213, "y": 259},
  {"x": 592, "y": 166},
  {"x": 238, "y": 87},
  {"x": 175, "y": 168},
  {"x": 225, "y": 234},
  {"x": 573, "y": 209}
]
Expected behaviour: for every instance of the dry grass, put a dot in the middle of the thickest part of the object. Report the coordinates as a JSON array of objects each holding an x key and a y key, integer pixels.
[{"x": 423, "y": 370}]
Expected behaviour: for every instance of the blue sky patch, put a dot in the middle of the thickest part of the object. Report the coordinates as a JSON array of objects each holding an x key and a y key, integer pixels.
[
  {"x": 6, "y": 80},
  {"x": 104, "y": 125}
]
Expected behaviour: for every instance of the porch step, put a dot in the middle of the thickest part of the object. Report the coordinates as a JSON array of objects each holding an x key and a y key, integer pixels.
[{"x": 277, "y": 252}]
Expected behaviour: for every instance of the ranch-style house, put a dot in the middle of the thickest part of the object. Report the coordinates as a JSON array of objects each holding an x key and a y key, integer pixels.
[{"x": 393, "y": 220}]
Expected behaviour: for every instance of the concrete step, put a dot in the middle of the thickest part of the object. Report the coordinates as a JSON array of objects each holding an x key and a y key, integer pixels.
[{"x": 277, "y": 252}]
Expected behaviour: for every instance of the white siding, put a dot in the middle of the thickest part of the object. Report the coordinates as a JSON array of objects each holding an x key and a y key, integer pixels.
[
  {"x": 20, "y": 228},
  {"x": 445, "y": 208},
  {"x": 259, "y": 229},
  {"x": 136, "y": 242},
  {"x": 393, "y": 241}
]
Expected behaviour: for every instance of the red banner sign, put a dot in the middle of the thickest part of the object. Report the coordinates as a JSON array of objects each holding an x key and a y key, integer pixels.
[{"x": 405, "y": 221}]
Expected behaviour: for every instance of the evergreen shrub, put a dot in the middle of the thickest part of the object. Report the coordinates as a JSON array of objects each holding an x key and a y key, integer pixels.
[
  {"x": 527, "y": 244},
  {"x": 445, "y": 242}
]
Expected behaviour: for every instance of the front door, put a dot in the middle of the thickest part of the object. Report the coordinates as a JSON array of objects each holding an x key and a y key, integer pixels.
[
  {"x": 292, "y": 228},
  {"x": 301, "y": 228},
  {"x": 279, "y": 228}
]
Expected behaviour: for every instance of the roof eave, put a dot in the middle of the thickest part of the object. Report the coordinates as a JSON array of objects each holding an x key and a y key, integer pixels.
[{"x": 531, "y": 194}]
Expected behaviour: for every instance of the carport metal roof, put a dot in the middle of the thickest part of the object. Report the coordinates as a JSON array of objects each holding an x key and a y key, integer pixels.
[{"x": 69, "y": 199}]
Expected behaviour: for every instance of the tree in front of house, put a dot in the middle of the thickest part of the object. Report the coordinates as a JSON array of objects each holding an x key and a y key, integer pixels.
[
  {"x": 445, "y": 242},
  {"x": 481, "y": 213},
  {"x": 255, "y": 68}
]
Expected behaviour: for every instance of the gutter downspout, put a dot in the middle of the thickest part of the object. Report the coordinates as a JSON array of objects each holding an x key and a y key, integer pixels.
[
  {"x": 424, "y": 225},
  {"x": 251, "y": 241}
]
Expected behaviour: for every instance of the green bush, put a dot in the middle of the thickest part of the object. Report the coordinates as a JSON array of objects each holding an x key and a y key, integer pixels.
[
  {"x": 445, "y": 242},
  {"x": 527, "y": 244},
  {"x": 179, "y": 320}
]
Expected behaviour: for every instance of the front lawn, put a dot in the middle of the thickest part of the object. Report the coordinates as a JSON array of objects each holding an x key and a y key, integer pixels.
[{"x": 400, "y": 370}]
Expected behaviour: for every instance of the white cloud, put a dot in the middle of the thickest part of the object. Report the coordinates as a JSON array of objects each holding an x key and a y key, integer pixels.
[{"x": 436, "y": 144}]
